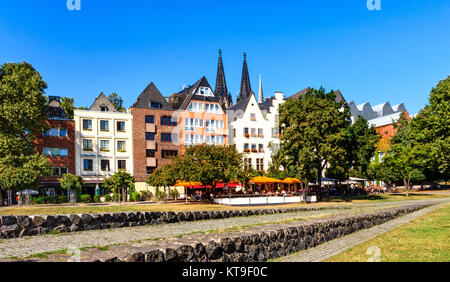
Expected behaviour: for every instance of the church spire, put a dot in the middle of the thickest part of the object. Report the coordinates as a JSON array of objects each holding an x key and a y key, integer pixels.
[
  {"x": 221, "y": 84},
  {"x": 246, "y": 89},
  {"x": 260, "y": 92}
]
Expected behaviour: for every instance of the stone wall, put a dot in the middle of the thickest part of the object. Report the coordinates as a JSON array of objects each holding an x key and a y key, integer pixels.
[
  {"x": 18, "y": 226},
  {"x": 263, "y": 246}
]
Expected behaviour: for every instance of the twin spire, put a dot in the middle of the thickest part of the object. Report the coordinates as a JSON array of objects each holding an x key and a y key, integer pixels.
[{"x": 221, "y": 90}]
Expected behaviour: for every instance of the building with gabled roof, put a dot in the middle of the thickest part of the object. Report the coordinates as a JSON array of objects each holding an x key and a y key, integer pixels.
[{"x": 58, "y": 145}]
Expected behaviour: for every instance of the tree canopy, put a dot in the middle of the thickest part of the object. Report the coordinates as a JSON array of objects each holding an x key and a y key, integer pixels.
[
  {"x": 119, "y": 183},
  {"x": 117, "y": 101}
]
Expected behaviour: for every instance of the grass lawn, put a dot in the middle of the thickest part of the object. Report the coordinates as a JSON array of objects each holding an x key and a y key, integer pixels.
[
  {"x": 64, "y": 209},
  {"x": 425, "y": 239}
]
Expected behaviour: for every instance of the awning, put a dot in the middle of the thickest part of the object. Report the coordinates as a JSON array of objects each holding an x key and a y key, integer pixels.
[
  {"x": 264, "y": 180},
  {"x": 291, "y": 181}
]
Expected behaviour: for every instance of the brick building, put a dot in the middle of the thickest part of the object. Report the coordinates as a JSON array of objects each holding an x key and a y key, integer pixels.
[
  {"x": 154, "y": 122},
  {"x": 57, "y": 144}
]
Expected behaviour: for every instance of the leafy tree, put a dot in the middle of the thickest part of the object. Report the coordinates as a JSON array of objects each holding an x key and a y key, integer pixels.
[
  {"x": 22, "y": 118},
  {"x": 68, "y": 107},
  {"x": 72, "y": 183},
  {"x": 117, "y": 101},
  {"x": 430, "y": 133},
  {"x": 313, "y": 135},
  {"x": 361, "y": 145},
  {"x": 22, "y": 172},
  {"x": 165, "y": 176},
  {"x": 402, "y": 160},
  {"x": 120, "y": 183}
]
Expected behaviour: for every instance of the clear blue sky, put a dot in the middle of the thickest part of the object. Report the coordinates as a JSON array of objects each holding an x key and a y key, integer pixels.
[{"x": 397, "y": 54}]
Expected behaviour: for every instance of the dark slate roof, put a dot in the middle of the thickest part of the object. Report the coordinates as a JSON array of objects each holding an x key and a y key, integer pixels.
[
  {"x": 339, "y": 96},
  {"x": 149, "y": 95},
  {"x": 240, "y": 105},
  {"x": 54, "y": 109},
  {"x": 102, "y": 101},
  {"x": 246, "y": 89},
  {"x": 265, "y": 106},
  {"x": 190, "y": 94}
]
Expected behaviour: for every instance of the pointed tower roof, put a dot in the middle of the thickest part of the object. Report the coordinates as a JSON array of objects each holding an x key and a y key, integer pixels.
[
  {"x": 221, "y": 84},
  {"x": 246, "y": 89},
  {"x": 260, "y": 92}
]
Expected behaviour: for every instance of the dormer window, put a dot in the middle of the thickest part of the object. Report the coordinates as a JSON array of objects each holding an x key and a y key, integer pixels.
[
  {"x": 104, "y": 109},
  {"x": 205, "y": 91}
]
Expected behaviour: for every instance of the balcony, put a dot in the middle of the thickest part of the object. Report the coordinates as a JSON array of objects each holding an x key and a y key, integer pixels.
[
  {"x": 151, "y": 162},
  {"x": 150, "y": 145},
  {"x": 150, "y": 127}
]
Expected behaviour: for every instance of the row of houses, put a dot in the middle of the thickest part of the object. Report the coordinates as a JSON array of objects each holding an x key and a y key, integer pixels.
[{"x": 101, "y": 141}]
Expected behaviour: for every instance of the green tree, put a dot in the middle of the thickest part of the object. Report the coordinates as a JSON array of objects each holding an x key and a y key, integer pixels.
[
  {"x": 117, "y": 101},
  {"x": 165, "y": 176},
  {"x": 120, "y": 182},
  {"x": 72, "y": 183},
  {"x": 429, "y": 131},
  {"x": 23, "y": 108},
  {"x": 402, "y": 160},
  {"x": 361, "y": 145},
  {"x": 68, "y": 107},
  {"x": 313, "y": 135}
]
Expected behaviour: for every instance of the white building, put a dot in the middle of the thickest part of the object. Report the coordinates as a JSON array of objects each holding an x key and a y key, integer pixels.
[
  {"x": 376, "y": 112},
  {"x": 103, "y": 142},
  {"x": 254, "y": 129}
]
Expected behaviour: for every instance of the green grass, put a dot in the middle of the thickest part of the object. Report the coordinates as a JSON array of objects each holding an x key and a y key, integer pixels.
[{"x": 425, "y": 239}]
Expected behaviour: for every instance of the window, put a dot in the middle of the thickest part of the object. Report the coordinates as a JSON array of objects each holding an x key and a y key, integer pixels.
[
  {"x": 55, "y": 152},
  {"x": 259, "y": 164},
  {"x": 166, "y": 154},
  {"x": 254, "y": 148},
  {"x": 261, "y": 148},
  {"x": 59, "y": 171},
  {"x": 260, "y": 132},
  {"x": 253, "y": 131},
  {"x": 87, "y": 124},
  {"x": 210, "y": 139},
  {"x": 104, "y": 125},
  {"x": 121, "y": 126},
  {"x": 156, "y": 105},
  {"x": 166, "y": 120},
  {"x": 121, "y": 146},
  {"x": 220, "y": 140},
  {"x": 246, "y": 132},
  {"x": 234, "y": 133},
  {"x": 150, "y": 153},
  {"x": 246, "y": 148},
  {"x": 87, "y": 145},
  {"x": 275, "y": 132},
  {"x": 88, "y": 165},
  {"x": 210, "y": 126},
  {"x": 166, "y": 137},
  {"x": 104, "y": 165},
  {"x": 248, "y": 163},
  {"x": 150, "y": 170},
  {"x": 121, "y": 165},
  {"x": 149, "y": 136},
  {"x": 196, "y": 107},
  {"x": 205, "y": 91},
  {"x": 62, "y": 132},
  {"x": 212, "y": 109},
  {"x": 253, "y": 117},
  {"x": 104, "y": 109},
  {"x": 219, "y": 124},
  {"x": 149, "y": 119},
  {"x": 104, "y": 145}
]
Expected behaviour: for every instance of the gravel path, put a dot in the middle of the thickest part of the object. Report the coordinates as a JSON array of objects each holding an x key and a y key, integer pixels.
[{"x": 337, "y": 246}]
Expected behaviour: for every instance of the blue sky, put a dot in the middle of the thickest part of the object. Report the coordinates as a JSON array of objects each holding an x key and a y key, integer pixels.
[{"x": 397, "y": 54}]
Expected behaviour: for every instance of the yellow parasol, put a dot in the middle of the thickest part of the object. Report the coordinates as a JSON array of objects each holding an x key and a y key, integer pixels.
[
  {"x": 187, "y": 183},
  {"x": 291, "y": 181},
  {"x": 264, "y": 180}
]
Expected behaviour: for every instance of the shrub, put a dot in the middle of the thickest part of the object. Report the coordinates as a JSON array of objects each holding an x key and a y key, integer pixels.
[
  {"x": 174, "y": 194},
  {"x": 85, "y": 198},
  {"x": 62, "y": 199},
  {"x": 115, "y": 197},
  {"x": 146, "y": 195},
  {"x": 97, "y": 198},
  {"x": 107, "y": 198},
  {"x": 160, "y": 195},
  {"x": 39, "y": 200},
  {"x": 135, "y": 196}
]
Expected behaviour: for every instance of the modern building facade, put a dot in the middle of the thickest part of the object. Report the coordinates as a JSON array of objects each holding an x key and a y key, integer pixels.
[
  {"x": 103, "y": 142},
  {"x": 57, "y": 144}
]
